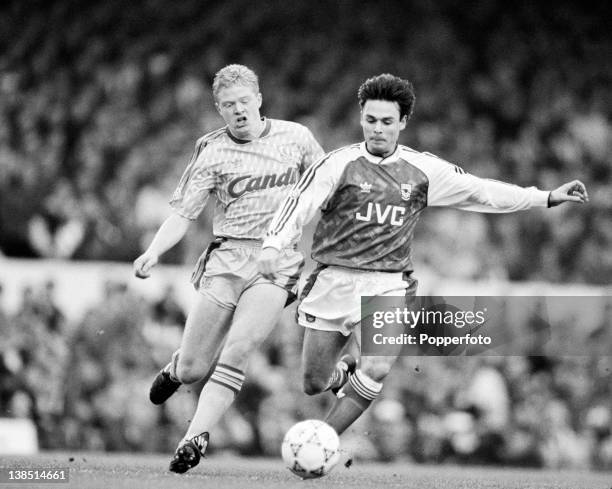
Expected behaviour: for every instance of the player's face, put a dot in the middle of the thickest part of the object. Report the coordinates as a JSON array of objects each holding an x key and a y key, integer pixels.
[
  {"x": 239, "y": 106},
  {"x": 381, "y": 123}
]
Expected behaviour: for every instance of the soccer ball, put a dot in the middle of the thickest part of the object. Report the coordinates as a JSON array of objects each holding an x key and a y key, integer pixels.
[{"x": 310, "y": 449}]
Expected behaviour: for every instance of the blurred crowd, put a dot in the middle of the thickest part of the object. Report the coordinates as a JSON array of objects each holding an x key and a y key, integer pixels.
[
  {"x": 101, "y": 103},
  {"x": 100, "y": 106},
  {"x": 85, "y": 386}
]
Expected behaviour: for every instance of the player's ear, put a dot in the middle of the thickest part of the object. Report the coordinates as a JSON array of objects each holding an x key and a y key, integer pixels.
[
  {"x": 259, "y": 100},
  {"x": 403, "y": 122},
  {"x": 217, "y": 107}
]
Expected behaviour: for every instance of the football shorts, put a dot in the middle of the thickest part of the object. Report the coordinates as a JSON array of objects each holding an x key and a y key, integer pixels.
[
  {"x": 228, "y": 267},
  {"x": 331, "y": 299}
]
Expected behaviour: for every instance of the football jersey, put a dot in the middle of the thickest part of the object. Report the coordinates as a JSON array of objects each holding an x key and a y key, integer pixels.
[
  {"x": 249, "y": 178},
  {"x": 370, "y": 204}
]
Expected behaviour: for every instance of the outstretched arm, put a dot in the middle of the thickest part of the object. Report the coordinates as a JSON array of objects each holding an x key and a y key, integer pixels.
[
  {"x": 169, "y": 233},
  {"x": 450, "y": 186}
]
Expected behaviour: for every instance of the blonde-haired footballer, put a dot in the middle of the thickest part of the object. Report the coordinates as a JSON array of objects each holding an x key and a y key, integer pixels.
[
  {"x": 248, "y": 166},
  {"x": 371, "y": 195}
]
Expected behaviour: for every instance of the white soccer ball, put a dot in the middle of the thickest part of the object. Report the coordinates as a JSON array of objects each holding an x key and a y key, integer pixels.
[{"x": 311, "y": 449}]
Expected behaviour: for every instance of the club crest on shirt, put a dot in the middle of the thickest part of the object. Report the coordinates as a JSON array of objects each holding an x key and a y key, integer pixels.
[
  {"x": 406, "y": 190},
  {"x": 366, "y": 188},
  {"x": 290, "y": 153}
]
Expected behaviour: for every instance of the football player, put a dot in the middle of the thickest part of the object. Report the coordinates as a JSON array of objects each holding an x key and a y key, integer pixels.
[
  {"x": 248, "y": 166},
  {"x": 371, "y": 195}
]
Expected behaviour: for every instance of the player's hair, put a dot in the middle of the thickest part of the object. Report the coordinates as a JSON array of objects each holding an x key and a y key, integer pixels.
[
  {"x": 234, "y": 75},
  {"x": 391, "y": 88}
]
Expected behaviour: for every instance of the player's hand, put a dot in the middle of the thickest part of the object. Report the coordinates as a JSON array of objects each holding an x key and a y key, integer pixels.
[
  {"x": 574, "y": 191},
  {"x": 267, "y": 262},
  {"x": 144, "y": 263}
]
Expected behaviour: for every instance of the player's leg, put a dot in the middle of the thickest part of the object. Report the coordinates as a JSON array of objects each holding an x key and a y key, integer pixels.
[
  {"x": 258, "y": 308},
  {"x": 367, "y": 382},
  {"x": 205, "y": 328},
  {"x": 258, "y": 311},
  {"x": 206, "y": 325},
  {"x": 320, "y": 353},
  {"x": 359, "y": 392},
  {"x": 323, "y": 310},
  {"x": 205, "y": 331}
]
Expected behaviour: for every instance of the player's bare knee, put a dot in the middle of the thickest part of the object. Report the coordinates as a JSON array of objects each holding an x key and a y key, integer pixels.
[
  {"x": 376, "y": 368},
  {"x": 188, "y": 372}
]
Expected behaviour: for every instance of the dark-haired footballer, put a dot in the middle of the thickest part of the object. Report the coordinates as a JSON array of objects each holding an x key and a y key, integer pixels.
[{"x": 370, "y": 195}]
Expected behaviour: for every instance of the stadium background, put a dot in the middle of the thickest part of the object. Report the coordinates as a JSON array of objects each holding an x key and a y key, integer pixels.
[{"x": 100, "y": 107}]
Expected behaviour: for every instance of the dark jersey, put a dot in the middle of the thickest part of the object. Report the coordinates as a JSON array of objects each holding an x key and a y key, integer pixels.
[{"x": 370, "y": 205}]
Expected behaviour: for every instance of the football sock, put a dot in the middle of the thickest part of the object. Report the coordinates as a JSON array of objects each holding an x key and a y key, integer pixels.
[
  {"x": 358, "y": 394},
  {"x": 229, "y": 377},
  {"x": 216, "y": 397}
]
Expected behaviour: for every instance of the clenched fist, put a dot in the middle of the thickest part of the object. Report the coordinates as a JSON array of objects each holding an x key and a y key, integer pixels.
[{"x": 144, "y": 263}]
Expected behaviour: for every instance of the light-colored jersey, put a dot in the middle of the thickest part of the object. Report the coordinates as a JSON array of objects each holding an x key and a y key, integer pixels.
[
  {"x": 370, "y": 205},
  {"x": 249, "y": 179}
]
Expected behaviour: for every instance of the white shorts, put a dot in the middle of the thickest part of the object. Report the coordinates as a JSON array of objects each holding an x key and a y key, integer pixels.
[
  {"x": 331, "y": 299},
  {"x": 229, "y": 266}
]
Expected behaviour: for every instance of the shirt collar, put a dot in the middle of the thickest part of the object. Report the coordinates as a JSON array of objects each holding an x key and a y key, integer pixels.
[
  {"x": 379, "y": 159},
  {"x": 265, "y": 132}
]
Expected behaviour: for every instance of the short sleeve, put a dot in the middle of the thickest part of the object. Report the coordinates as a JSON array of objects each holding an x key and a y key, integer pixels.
[{"x": 195, "y": 186}]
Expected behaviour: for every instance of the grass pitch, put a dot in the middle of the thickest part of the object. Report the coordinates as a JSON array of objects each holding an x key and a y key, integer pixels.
[{"x": 133, "y": 471}]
